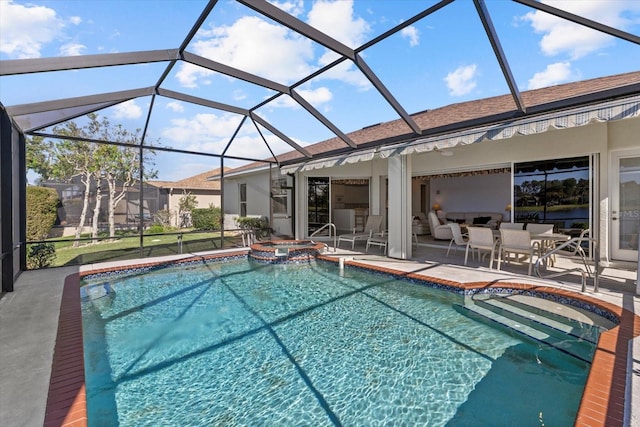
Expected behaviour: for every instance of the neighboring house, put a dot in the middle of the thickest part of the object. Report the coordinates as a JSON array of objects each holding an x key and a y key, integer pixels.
[
  {"x": 206, "y": 192},
  {"x": 472, "y": 168},
  {"x": 127, "y": 211}
]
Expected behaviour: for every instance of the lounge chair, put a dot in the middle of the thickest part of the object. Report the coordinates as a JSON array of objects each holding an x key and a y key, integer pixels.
[
  {"x": 458, "y": 238},
  {"x": 373, "y": 225}
]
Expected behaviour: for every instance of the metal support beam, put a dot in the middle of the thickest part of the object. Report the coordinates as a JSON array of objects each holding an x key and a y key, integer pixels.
[
  {"x": 6, "y": 202},
  {"x": 580, "y": 20},
  {"x": 497, "y": 49},
  {"x": 280, "y": 135},
  {"x": 79, "y": 62},
  {"x": 282, "y": 17}
]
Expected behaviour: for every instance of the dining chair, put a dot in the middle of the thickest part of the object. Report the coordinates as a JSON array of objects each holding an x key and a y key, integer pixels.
[
  {"x": 517, "y": 242},
  {"x": 512, "y": 225},
  {"x": 534, "y": 228},
  {"x": 458, "y": 238},
  {"x": 480, "y": 239}
]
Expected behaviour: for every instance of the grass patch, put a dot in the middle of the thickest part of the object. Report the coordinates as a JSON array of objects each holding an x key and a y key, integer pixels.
[
  {"x": 556, "y": 208},
  {"x": 128, "y": 247}
]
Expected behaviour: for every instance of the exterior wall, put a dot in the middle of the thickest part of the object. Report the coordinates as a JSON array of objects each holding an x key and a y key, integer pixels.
[
  {"x": 594, "y": 139},
  {"x": 258, "y": 194}
]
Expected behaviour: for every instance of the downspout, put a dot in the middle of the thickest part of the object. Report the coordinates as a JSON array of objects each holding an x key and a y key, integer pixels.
[{"x": 293, "y": 205}]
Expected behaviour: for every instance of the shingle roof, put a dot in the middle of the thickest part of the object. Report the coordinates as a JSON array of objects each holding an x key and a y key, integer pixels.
[
  {"x": 196, "y": 182},
  {"x": 457, "y": 115}
]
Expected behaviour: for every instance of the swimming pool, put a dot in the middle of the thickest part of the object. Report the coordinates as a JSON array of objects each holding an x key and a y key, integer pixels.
[{"x": 239, "y": 343}]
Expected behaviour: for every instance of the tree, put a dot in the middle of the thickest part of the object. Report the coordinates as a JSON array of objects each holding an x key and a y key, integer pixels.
[
  {"x": 117, "y": 166},
  {"x": 120, "y": 165},
  {"x": 39, "y": 153},
  {"x": 186, "y": 204},
  {"x": 74, "y": 157}
]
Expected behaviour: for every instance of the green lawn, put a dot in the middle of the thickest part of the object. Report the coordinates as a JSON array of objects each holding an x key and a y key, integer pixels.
[
  {"x": 555, "y": 208},
  {"x": 128, "y": 247}
]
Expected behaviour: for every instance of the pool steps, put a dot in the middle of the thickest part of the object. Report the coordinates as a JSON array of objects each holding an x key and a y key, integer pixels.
[{"x": 540, "y": 325}]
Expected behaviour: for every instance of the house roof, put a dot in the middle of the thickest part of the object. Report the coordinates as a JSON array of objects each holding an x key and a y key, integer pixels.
[
  {"x": 195, "y": 182},
  {"x": 467, "y": 115}
]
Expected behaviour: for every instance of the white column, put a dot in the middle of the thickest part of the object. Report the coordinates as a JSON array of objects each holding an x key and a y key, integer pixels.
[
  {"x": 399, "y": 220},
  {"x": 375, "y": 205}
]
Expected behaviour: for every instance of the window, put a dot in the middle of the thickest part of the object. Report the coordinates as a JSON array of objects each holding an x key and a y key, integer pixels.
[
  {"x": 279, "y": 196},
  {"x": 317, "y": 202},
  {"x": 553, "y": 191},
  {"x": 243, "y": 199}
]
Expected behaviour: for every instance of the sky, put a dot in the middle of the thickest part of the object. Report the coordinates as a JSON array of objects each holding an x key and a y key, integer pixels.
[{"x": 442, "y": 59}]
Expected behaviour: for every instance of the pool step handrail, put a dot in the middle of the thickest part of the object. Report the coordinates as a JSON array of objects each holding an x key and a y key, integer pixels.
[
  {"x": 586, "y": 271},
  {"x": 331, "y": 227}
]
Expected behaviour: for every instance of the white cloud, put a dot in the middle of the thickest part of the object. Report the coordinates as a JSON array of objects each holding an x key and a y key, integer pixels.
[
  {"x": 462, "y": 80},
  {"x": 412, "y": 34},
  {"x": 24, "y": 30},
  {"x": 336, "y": 19},
  {"x": 552, "y": 75},
  {"x": 175, "y": 106},
  {"x": 292, "y": 7},
  {"x": 127, "y": 110},
  {"x": 346, "y": 72},
  {"x": 274, "y": 52},
  {"x": 208, "y": 132},
  {"x": 239, "y": 95},
  {"x": 563, "y": 37},
  {"x": 75, "y": 20},
  {"x": 189, "y": 74},
  {"x": 253, "y": 45},
  {"x": 315, "y": 97},
  {"x": 72, "y": 49}
]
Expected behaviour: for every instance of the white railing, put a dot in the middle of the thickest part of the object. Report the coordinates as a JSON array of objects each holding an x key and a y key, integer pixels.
[
  {"x": 331, "y": 227},
  {"x": 574, "y": 243}
]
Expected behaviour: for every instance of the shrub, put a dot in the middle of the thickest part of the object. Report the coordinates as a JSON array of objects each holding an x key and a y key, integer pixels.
[
  {"x": 258, "y": 224},
  {"x": 40, "y": 255},
  {"x": 163, "y": 217},
  {"x": 207, "y": 218},
  {"x": 42, "y": 205},
  {"x": 155, "y": 229}
]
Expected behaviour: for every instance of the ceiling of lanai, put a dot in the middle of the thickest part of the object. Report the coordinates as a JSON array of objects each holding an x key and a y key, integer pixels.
[{"x": 252, "y": 79}]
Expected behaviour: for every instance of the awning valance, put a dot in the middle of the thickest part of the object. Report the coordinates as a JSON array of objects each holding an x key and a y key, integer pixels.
[{"x": 603, "y": 112}]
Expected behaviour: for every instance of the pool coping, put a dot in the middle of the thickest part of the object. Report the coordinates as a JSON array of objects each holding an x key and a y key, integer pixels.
[{"x": 602, "y": 402}]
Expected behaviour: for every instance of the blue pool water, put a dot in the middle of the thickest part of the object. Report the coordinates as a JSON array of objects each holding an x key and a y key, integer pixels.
[{"x": 243, "y": 344}]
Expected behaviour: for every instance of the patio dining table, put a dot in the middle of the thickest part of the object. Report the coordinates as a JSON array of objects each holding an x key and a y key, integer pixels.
[{"x": 547, "y": 240}]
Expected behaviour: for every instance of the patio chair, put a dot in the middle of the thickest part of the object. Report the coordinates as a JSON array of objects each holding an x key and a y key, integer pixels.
[
  {"x": 512, "y": 225},
  {"x": 517, "y": 242},
  {"x": 534, "y": 228},
  {"x": 480, "y": 239},
  {"x": 373, "y": 225},
  {"x": 378, "y": 239},
  {"x": 544, "y": 245},
  {"x": 458, "y": 238}
]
